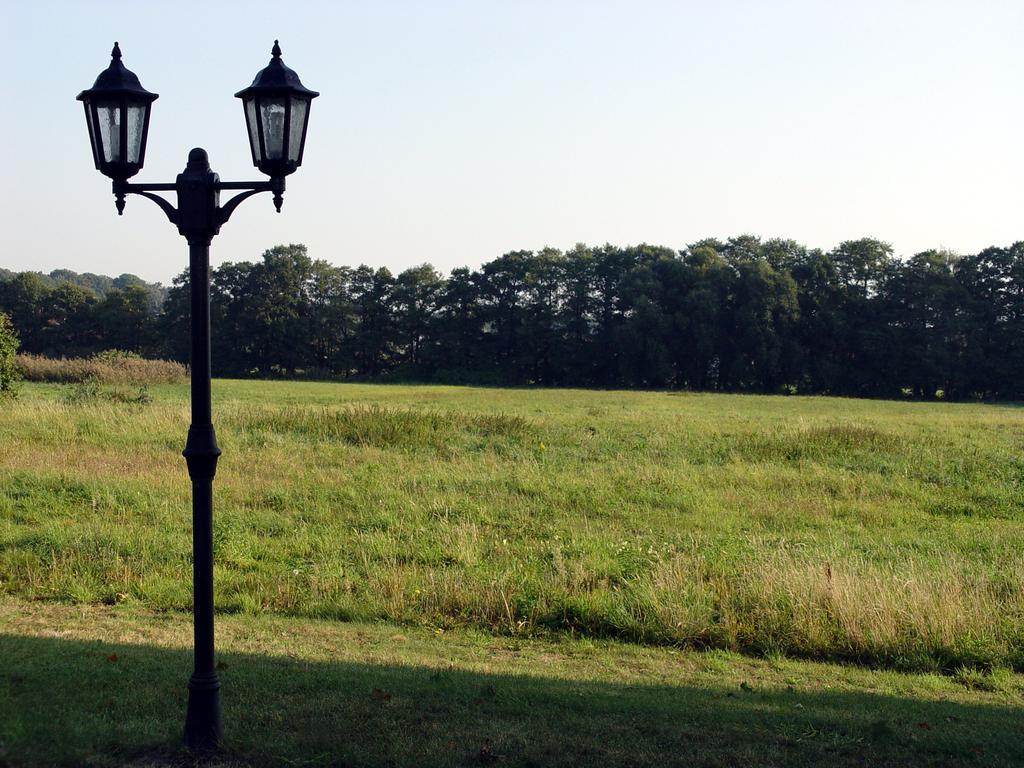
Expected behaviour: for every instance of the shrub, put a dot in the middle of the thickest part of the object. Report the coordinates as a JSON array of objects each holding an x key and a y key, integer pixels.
[
  {"x": 111, "y": 367},
  {"x": 8, "y": 351},
  {"x": 89, "y": 392},
  {"x": 84, "y": 392}
]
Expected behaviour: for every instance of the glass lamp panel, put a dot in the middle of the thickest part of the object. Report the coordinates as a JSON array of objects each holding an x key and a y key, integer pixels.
[
  {"x": 92, "y": 135},
  {"x": 136, "y": 123},
  {"x": 297, "y": 126},
  {"x": 272, "y": 115},
  {"x": 109, "y": 118},
  {"x": 254, "y": 131}
]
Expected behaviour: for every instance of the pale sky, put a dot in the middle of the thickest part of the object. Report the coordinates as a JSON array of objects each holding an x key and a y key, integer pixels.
[{"x": 452, "y": 132}]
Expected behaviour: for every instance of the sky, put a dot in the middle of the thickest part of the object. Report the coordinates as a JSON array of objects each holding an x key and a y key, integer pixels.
[{"x": 453, "y": 132}]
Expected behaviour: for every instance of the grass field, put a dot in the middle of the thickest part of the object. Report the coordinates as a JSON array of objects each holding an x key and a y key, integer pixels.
[{"x": 768, "y": 529}]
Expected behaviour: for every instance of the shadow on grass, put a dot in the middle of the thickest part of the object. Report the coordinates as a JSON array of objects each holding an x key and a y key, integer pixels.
[{"x": 66, "y": 702}]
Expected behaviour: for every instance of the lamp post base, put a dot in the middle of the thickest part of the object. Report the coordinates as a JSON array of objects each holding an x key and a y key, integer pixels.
[{"x": 202, "y": 719}]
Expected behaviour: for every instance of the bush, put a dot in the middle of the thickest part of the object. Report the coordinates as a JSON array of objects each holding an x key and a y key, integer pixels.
[
  {"x": 111, "y": 367},
  {"x": 84, "y": 392},
  {"x": 8, "y": 351},
  {"x": 89, "y": 392}
]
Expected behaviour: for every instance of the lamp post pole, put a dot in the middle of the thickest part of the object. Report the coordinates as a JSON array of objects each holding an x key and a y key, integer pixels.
[
  {"x": 202, "y": 721},
  {"x": 117, "y": 111}
]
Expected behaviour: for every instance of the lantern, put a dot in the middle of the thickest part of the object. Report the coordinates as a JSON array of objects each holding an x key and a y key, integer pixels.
[
  {"x": 276, "y": 115},
  {"x": 117, "y": 112}
]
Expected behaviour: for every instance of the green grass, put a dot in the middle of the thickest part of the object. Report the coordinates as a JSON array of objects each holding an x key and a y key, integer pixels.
[
  {"x": 302, "y": 692},
  {"x": 888, "y": 535},
  {"x": 885, "y": 533}
]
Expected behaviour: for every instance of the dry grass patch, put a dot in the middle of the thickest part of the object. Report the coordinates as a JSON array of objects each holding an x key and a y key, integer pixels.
[{"x": 105, "y": 368}]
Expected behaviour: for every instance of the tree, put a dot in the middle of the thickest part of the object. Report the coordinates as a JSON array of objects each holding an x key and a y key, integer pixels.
[
  {"x": 8, "y": 351},
  {"x": 125, "y": 321},
  {"x": 783, "y": 255},
  {"x": 279, "y": 301},
  {"x": 503, "y": 285},
  {"x": 861, "y": 264},
  {"x": 373, "y": 344},
  {"x": 764, "y": 313},
  {"x": 459, "y": 328},
  {"x": 611, "y": 265},
  {"x": 332, "y": 318},
  {"x": 922, "y": 300},
  {"x": 173, "y": 326},
  {"x": 993, "y": 321},
  {"x": 69, "y": 327},
  {"x": 863, "y": 268},
  {"x": 821, "y": 326},
  {"x": 742, "y": 249},
  {"x": 415, "y": 298},
  {"x": 262, "y": 312},
  {"x": 236, "y": 348},
  {"x": 22, "y": 299},
  {"x": 540, "y": 354},
  {"x": 705, "y": 308},
  {"x": 645, "y": 336},
  {"x": 578, "y": 316}
]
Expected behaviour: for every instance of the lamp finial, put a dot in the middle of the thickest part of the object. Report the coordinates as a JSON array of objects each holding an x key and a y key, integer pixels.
[
  {"x": 276, "y": 50},
  {"x": 116, "y": 53}
]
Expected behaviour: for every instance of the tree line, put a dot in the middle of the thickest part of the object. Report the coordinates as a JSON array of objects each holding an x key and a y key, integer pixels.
[
  {"x": 98, "y": 285},
  {"x": 739, "y": 315}
]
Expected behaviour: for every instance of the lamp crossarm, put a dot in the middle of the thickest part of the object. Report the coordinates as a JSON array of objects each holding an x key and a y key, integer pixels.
[
  {"x": 221, "y": 213},
  {"x": 122, "y": 188},
  {"x": 275, "y": 185}
]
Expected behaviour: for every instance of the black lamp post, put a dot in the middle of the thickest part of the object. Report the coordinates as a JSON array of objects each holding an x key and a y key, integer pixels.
[{"x": 117, "y": 110}]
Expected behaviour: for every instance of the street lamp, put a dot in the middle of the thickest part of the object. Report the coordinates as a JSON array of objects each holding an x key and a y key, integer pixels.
[
  {"x": 276, "y": 114},
  {"x": 117, "y": 110}
]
